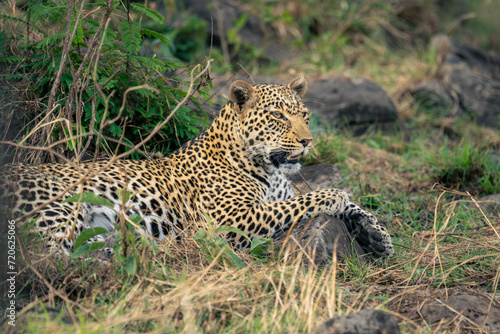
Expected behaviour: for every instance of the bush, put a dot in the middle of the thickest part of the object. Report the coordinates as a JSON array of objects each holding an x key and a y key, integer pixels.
[{"x": 81, "y": 79}]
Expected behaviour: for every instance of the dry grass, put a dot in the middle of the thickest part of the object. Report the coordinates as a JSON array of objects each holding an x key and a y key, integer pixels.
[
  {"x": 185, "y": 292},
  {"x": 181, "y": 290}
]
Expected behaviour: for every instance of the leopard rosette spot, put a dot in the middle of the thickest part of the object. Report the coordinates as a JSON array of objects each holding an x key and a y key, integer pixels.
[{"x": 235, "y": 172}]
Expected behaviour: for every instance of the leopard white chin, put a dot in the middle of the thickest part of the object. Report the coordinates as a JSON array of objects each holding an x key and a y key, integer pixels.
[{"x": 290, "y": 168}]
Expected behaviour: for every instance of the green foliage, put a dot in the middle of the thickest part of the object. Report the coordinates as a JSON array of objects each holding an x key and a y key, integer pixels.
[
  {"x": 324, "y": 30},
  {"x": 116, "y": 61},
  {"x": 87, "y": 248},
  {"x": 467, "y": 166},
  {"x": 185, "y": 42},
  {"x": 328, "y": 148},
  {"x": 215, "y": 246},
  {"x": 87, "y": 234},
  {"x": 152, "y": 14},
  {"x": 131, "y": 36},
  {"x": 89, "y": 198},
  {"x": 130, "y": 244}
]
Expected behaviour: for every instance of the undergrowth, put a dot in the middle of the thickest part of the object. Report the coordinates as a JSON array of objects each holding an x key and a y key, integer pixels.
[{"x": 77, "y": 66}]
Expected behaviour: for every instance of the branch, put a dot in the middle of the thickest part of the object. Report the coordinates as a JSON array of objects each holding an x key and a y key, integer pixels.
[
  {"x": 88, "y": 171},
  {"x": 68, "y": 40},
  {"x": 189, "y": 93}
]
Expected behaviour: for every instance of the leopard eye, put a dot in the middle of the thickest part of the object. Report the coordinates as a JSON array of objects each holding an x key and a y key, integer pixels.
[{"x": 278, "y": 115}]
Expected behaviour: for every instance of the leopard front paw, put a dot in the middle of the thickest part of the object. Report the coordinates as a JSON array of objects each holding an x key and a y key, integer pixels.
[{"x": 373, "y": 237}]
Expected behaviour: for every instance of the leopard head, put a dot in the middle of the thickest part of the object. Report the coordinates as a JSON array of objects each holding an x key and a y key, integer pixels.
[{"x": 274, "y": 124}]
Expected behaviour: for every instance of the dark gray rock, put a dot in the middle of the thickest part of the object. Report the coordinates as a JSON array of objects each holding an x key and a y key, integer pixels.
[
  {"x": 486, "y": 63},
  {"x": 478, "y": 96},
  {"x": 432, "y": 94},
  {"x": 320, "y": 238},
  {"x": 464, "y": 311},
  {"x": 366, "y": 321},
  {"x": 318, "y": 177},
  {"x": 468, "y": 83},
  {"x": 355, "y": 102},
  {"x": 490, "y": 203},
  {"x": 221, "y": 16},
  {"x": 324, "y": 234}
]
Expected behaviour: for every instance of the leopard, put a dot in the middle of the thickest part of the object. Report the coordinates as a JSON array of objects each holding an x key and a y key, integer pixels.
[{"x": 234, "y": 173}]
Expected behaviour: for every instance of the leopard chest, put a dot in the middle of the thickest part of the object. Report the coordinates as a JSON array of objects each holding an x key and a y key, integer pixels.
[{"x": 279, "y": 189}]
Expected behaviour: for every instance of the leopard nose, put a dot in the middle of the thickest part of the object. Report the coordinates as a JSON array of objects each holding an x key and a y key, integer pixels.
[{"x": 305, "y": 142}]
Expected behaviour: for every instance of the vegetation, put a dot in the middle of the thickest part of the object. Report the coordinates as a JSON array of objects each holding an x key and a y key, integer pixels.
[
  {"x": 425, "y": 181},
  {"x": 90, "y": 83}
]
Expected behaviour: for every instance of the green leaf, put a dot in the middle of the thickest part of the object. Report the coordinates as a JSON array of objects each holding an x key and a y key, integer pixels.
[
  {"x": 154, "y": 34},
  {"x": 151, "y": 13},
  {"x": 231, "y": 229},
  {"x": 71, "y": 143},
  {"x": 235, "y": 258},
  {"x": 89, "y": 198},
  {"x": 155, "y": 64},
  {"x": 135, "y": 218},
  {"x": 131, "y": 35},
  {"x": 87, "y": 248},
  {"x": 3, "y": 43},
  {"x": 61, "y": 267},
  {"x": 127, "y": 194},
  {"x": 79, "y": 30},
  {"x": 87, "y": 234},
  {"x": 240, "y": 22},
  {"x": 259, "y": 246},
  {"x": 115, "y": 130},
  {"x": 130, "y": 265},
  {"x": 200, "y": 234}
]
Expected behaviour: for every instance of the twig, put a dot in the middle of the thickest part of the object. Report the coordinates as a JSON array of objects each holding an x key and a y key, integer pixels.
[
  {"x": 247, "y": 73},
  {"x": 47, "y": 283},
  {"x": 159, "y": 126},
  {"x": 68, "y": 40},
  {"x": 87, "y": 173}
]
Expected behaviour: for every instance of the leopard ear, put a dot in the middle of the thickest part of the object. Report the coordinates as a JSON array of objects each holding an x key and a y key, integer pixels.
[
  {"x": 298, "y": 85},
  {"x": 240, "y": 93}
]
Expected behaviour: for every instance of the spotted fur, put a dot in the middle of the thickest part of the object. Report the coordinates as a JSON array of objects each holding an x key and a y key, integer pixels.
[{"x": 234, "y": 172}]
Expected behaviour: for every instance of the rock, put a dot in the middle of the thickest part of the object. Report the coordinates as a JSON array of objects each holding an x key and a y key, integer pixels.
[
  {"x": 355, "y": 102},
  {"x": 467, "y": 83},
  {"x": 318, "y": 177},
  {"x": 366, "y": 321},
  {"x": 319, "y": 237},
  {"x": 433, "y": 95},
  {"x": 469, "y": 311},
  {"x": 478, "y": 96},
  {"x": 322, "y": 236},
  {"x": 221, "y": 16},
  {"x": 494, "y": 157},
  {"x": 489, "y": 203},
  {"x": 487, "y": 63}
]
